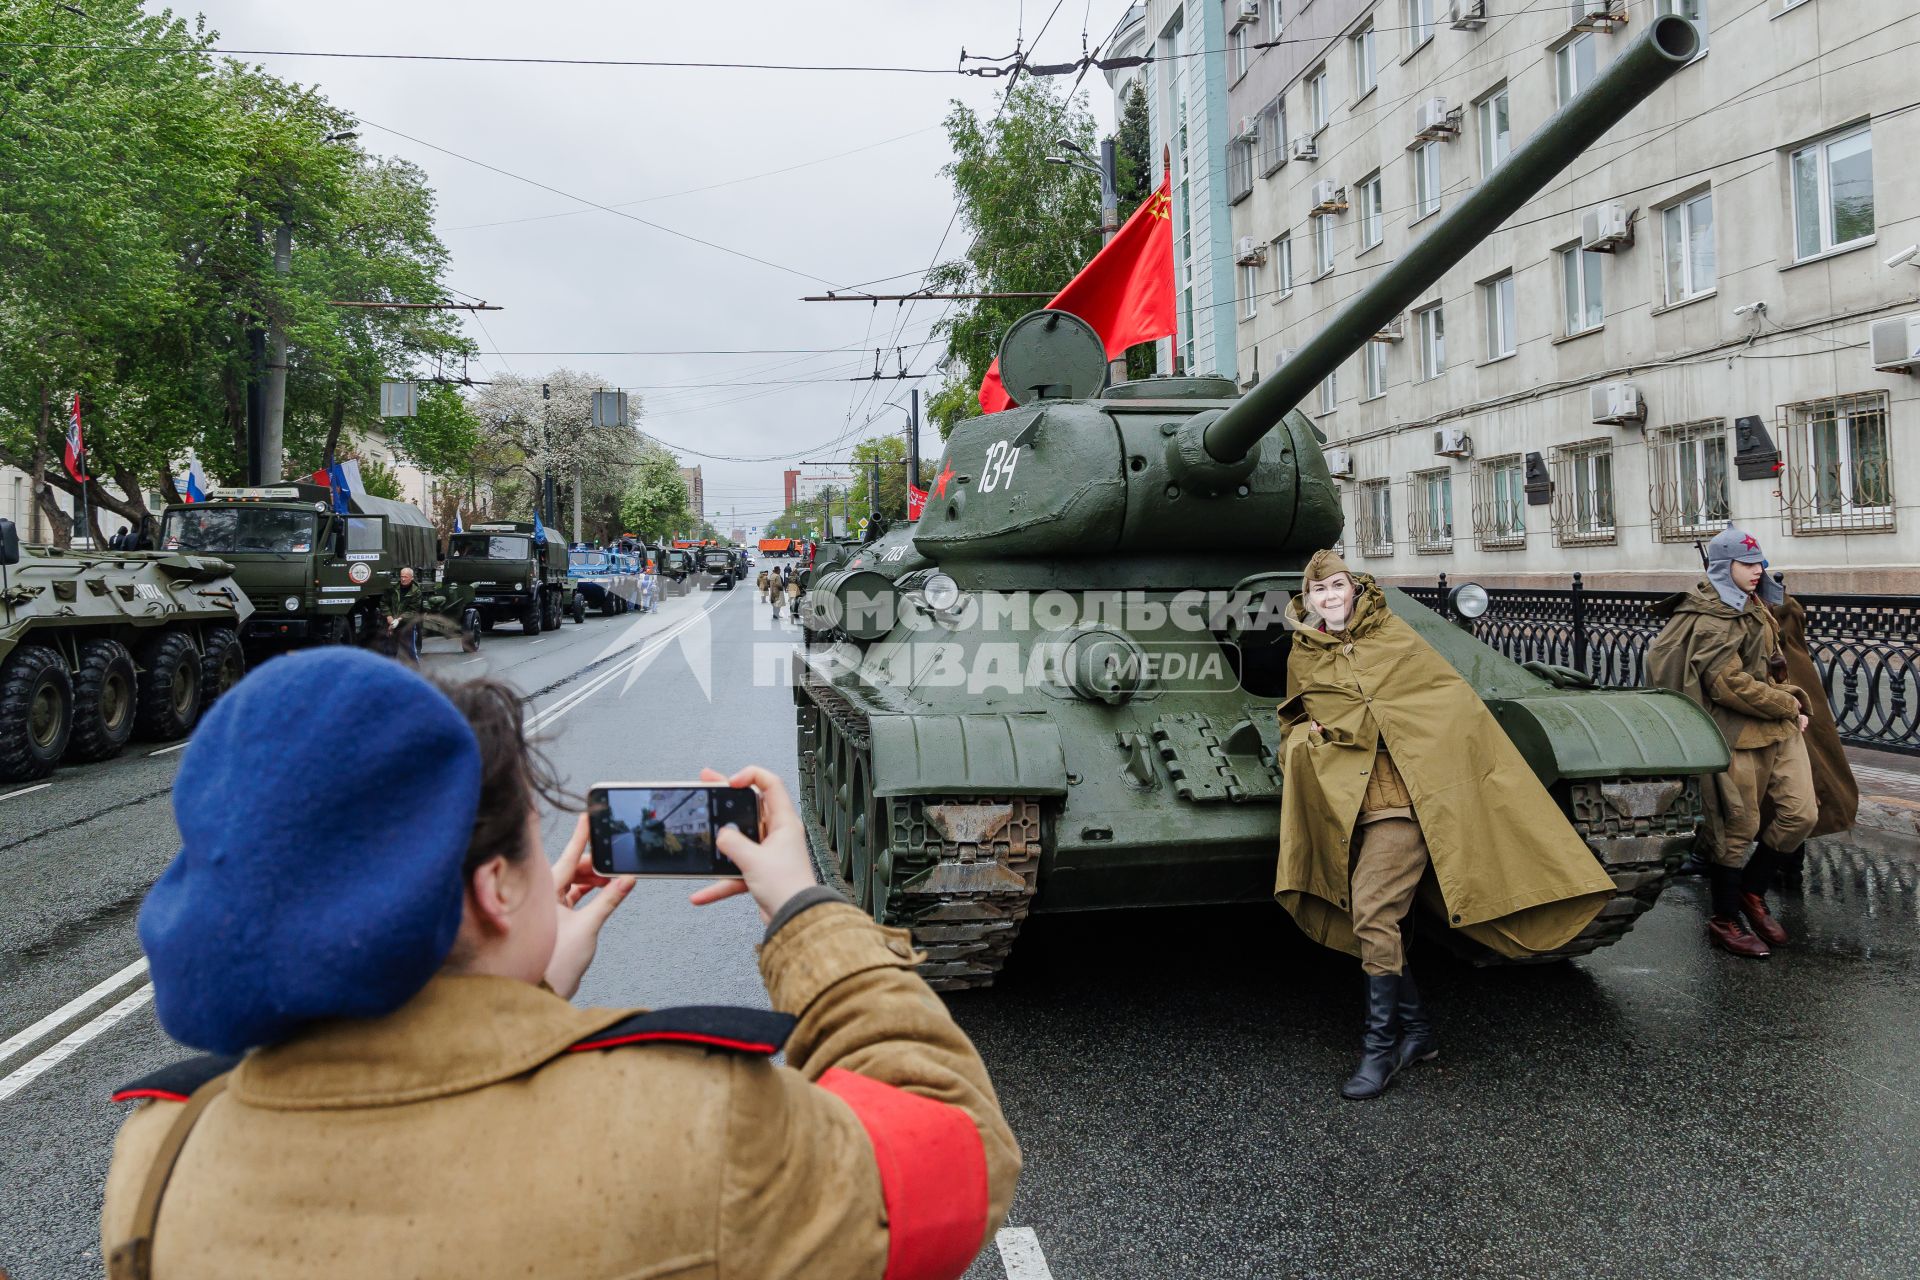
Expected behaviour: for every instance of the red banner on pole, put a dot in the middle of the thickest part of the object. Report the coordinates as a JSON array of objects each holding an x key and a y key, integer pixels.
[{"x": 916, "y": 502}]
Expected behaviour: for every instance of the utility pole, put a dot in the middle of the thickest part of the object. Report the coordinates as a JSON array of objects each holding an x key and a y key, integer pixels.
[
  {"x": 546, "y": 455},
  {"x": 273, "y": 429},
  {"x": 913, "y": 439},
  {"x": 256, "y": 385},
  {"x": 577, "y": 486}
]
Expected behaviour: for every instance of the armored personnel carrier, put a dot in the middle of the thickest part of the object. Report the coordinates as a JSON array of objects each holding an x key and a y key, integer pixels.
[
  {"x": 1056, "y": 691},
  {"x": 96, "y": 647},
  {"x": 605, "y": 580}
]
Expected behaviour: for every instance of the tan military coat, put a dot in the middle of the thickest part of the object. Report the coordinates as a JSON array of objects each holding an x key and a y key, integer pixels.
[
  {"x": 459, "y": 1138},
  {"x": 1513, "y": 873},
  {"x": 1833, "y": 781}
]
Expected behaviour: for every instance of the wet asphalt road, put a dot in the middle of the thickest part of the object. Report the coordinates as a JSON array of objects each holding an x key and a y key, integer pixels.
[{"x": 1653, "y": 1110}]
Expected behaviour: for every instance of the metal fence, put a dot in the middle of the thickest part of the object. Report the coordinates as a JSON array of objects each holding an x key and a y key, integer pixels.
[{"x": 1866, "y": 647}]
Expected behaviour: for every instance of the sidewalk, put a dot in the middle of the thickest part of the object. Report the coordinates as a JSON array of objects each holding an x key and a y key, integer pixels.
[{"x": 1889, "y": 801}]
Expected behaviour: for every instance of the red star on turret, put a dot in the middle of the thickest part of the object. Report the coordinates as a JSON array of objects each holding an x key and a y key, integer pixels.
[{"x": 940, "y": 481}]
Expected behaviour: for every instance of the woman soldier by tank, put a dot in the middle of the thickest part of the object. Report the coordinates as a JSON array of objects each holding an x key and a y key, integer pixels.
[{"x": 1397, "y": 780}]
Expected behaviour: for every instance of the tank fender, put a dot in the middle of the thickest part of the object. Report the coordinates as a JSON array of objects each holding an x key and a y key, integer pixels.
[
  {"x": 967, "y": 755},
  {"x": 1611, "y": 733}
]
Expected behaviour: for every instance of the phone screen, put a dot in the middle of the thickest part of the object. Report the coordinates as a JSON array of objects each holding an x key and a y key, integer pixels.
[{"x": 639, "y": 829}]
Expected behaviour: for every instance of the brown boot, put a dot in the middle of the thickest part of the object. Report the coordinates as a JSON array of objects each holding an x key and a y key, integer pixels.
[
  {"x": 1754, "y": 908},
  {"x": 1727, "y": 933}
]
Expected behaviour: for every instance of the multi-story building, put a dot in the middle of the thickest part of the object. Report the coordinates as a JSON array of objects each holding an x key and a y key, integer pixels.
[
  {"x": 807, "y": 488},
  {"x": 790, "y": 483},
  {"x": 1187, "y": 110},
  {"x": 696, "y": 492},
  {"x": 1702, "y": 320}
]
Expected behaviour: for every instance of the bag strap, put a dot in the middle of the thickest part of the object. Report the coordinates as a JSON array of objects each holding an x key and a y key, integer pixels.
[{"x": 132, "y": 1259}]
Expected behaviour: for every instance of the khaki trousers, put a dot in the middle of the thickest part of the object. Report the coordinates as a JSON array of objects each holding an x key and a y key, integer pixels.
[
  {"x": 1389, "y": 856},
  {"x": 1780, "y": 772}
]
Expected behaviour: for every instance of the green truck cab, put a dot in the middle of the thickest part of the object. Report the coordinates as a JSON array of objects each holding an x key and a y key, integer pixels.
[
  {"x": 312, "y": 575},
  {"x": 513, "y": 577}
]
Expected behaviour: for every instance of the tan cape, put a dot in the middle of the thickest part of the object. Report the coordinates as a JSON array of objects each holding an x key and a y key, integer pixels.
[
  {"x": 1833, "y": 781},
  {"x": 1513, "y": 873}
]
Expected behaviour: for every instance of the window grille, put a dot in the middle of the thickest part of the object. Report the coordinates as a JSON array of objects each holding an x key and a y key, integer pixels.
[
  {"x": 1837, "y": 473},
  {"x": 1687, "y": 481},
  {"x": 1500, "y": 504},
  {"x": 1430, "y": 513},
  {"x": 1583, "y": 494},
  {"x": 1374, "y": 528}
]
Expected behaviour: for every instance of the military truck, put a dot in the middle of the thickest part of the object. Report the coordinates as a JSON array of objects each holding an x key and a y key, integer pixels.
[
  {"x": 514, "y": 577},
  {"x": 1031, "y": 701},
  {"x": 676, "y": 569},
  {"x": 99, "y": 646},
  {"x": 312, "y": 574},
  {"x": 720, "y": 567}
]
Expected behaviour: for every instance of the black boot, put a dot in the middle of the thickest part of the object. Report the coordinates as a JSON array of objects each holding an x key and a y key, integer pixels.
[
  {"x": 1694, "y": 864},
  {"x": 1377, "y": 1042},
  {"x": 1790, "y": 869},
  {"x": 1418, "y": 1043}
]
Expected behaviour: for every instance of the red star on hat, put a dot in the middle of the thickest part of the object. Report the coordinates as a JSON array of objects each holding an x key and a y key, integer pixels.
[{"x": 1749, "y": 543}]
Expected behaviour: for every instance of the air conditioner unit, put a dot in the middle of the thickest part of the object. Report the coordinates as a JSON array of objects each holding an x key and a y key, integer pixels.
[
  {"x": 1467, "y": 15},
  {"x": 1249, "y": 12},
  {"x": 1598, "y": 15},
  {"x": 1305, "y": 148},
  {"x": 1896, "y": 344},
  {"x": 1340, "y": 463},
  {"x": 1392, "y": 331},
  {"x": 1606, "y": 227},
  {"x": 1250, "y": 251},
  {"x": 1618, "y": 402},
  {"x": 1452, "y": 442},
  {"x": 1249, "y": 129},
  {"x": 1433, "y": 121},
  {"x": 1328, "y": 198}
]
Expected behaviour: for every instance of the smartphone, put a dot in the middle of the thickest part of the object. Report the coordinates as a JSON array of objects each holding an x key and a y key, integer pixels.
[{"x": 667, "y": 829}]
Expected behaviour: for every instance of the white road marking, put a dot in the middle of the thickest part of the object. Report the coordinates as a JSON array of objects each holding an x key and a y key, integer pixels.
[
  {"x": 79, "y": 1004},
  {"x": 1020, "y": 1254},
  {"x": 38, "y": 786},
  {"x": 59, "y": 1053},
  {"x": 178, "y": 746},
  {"x": 470, "y": 661},
  {"x": 550, "y": 714},
  {"x": 541, "y": 640}
]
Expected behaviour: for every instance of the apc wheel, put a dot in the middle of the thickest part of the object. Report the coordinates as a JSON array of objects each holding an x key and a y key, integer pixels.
[
  {"x": 471, "y": 626},
  {"x": 168, "y": 703},
  {"x": 36, "y": 712},
  {"x": 103, "y": 697},
  {"x": 577, "y": 609},
  {"x": 221, "y": 665}
]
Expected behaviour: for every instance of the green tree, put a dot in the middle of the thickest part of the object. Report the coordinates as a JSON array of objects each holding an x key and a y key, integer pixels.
[
  {"x": 1134, "y": 172},
  {"x": 1032, "y": 227},
  {"x": 654, "y": 503},
  {"x": 891, "y": 453},
  {"x": 443, "y": 437},
  {"x": 379, "y": 479}
]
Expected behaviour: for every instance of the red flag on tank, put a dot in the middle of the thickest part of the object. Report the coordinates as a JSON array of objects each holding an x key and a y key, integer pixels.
[
  {"x": 1125, "y": 293},
  {"x": 916, "y": 502}
]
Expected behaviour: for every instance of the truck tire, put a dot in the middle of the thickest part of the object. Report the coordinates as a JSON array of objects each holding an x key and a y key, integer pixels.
[
  {"x": 554, "y": 607},
  {"x": 221, "y": 664},
  {"x": 104, "y": 689},
  {"x": 577, "y": 608},
  {"x": 533, "y": 616},
  {"x": 36, "y": 712},
  {"x": 169, "y": 700}
]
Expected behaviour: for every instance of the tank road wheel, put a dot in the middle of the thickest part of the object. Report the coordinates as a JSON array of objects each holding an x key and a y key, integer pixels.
[
  {"x": 36, "y": 712},
  {"x": 169, "y": 697},
  {"x": 221, "y": 666},
  {"x": 103, "y": 693}
]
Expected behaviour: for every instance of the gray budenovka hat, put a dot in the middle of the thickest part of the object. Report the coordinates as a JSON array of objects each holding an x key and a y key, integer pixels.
[{"x": 1732, "y": 544}]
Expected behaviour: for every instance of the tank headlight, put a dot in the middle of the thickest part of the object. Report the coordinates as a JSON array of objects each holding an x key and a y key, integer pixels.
[
  {"x": 1468, "y": 600},
  {"x": 291, "y": 604}
]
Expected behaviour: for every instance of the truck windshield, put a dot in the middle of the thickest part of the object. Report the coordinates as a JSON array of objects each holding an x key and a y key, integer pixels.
[
  {"x": 587, "y": 559},
  {"x": 237, "y": 529},
  {"x": 480, "y": 546}
]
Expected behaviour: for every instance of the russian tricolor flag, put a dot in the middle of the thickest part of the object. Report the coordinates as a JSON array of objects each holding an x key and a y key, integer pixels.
[{"x": 194, "y": 487}]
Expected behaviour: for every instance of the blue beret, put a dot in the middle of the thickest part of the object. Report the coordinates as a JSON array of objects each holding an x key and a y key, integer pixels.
[{"x": 324, "y": 806}]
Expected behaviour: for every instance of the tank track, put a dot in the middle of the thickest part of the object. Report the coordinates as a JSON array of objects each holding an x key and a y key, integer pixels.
[
  {"x": 1640, "y": 829},
  {"x": 959, "y": 871}
]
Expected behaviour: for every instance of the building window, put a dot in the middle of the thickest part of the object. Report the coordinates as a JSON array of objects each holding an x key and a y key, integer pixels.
[
  {"x": 1374, "y": 364},
  {"x": 1687, "y": 233},
  {"x": 1433, "y": 341},
  {"x": 1426, "y": 180},
  {"x": 1240, "y": 49},
  {"x": 1372, "y": 220},
  {"x": 1376, "y": 518},
  {"x": 1500, "y": 504},
  {"x": 1574, "y": 66},
  {"x": 1322, "y": 245},
  {"x": 1431, "y": 521},
  {"x": 1496, "y": 129},
  {"x": 1694, "y": 11},
  {"x": 1583, "y": 494},
  {"x": 1276, "y": 21},
  {"x": 1240, "y": 168},
  {"x": 1688, "y": 492},
  {"x": 1833, "y": 193},
  {"x": 1330, "y": 392},
  {"x": 1497, "y": 297},
  {"x": 1317, "y": 98},
  {"x": 1249, "y": 290},
  {"x": 1283, "y": 264},
  {"x": 1838, "y": 464},
  {"x": 1419, "y": 23},
  {"x": 1273, "y": 136},
  {"x": 1366, "y": 62},
  {"x": 1581, "y": 290}
]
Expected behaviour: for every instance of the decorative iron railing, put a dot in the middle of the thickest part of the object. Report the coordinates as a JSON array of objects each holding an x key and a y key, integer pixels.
[{"x": 1866, "y": 647}]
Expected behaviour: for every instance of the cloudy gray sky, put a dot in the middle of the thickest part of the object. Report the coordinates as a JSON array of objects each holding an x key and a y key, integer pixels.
[{"x": 866, "y": 201}]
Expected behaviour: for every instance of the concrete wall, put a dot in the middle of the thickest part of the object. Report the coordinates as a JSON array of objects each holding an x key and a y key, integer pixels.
[{"x": 1772, "y": 78}]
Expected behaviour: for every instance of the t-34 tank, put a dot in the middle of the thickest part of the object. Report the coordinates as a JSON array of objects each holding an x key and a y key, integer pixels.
[{"x": 1030, "y": 704}]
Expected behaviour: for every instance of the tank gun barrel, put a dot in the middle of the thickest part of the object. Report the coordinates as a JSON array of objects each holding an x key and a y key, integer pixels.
[{"x": 1645, "y": 65}]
